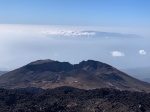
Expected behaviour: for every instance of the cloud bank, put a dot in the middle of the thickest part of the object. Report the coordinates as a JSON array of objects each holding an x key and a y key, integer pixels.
[{"x": 21, "y": 44}]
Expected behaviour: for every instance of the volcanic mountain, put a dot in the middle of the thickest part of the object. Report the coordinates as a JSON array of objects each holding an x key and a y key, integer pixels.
[{"x": 88, "y": 74}]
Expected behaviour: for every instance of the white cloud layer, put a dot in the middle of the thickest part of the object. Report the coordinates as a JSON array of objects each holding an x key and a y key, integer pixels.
[
  {"x": 22, "y": 44},
  {"x": 142, "y": 52},
  {"x": 117, "y": 54},
  {"x": 40, "y": 30},
  {"x": 69, "y": 33}
]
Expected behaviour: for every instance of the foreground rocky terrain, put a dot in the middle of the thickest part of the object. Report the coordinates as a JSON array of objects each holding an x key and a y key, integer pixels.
[
  {"x": 88, "y": 74},
  {"x": 69, "y": 99}
]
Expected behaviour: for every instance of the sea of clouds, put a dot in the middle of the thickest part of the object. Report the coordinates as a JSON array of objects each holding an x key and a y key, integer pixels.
[{"x": 21, "y": 44}]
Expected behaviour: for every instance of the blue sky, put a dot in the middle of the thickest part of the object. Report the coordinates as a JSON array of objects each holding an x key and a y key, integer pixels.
[{"x": 111, "y": 13}]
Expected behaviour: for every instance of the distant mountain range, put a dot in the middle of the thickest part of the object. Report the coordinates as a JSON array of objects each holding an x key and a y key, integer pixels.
[
  {"x": 114, "y": 35},
  {"x": 2, "y": 72},
  {"x": 90, "y": 33},
  {"x": 88, "y": 74},
  {"x": 142, "y": 73}
]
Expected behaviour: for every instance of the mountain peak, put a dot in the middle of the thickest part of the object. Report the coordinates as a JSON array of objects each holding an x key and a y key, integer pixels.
[
  {"x": 41, "y": 62},
  {"x": 94, "y": 64},
  {"x": 49, "y": 65},
  {"x": 56, "y": 66}
]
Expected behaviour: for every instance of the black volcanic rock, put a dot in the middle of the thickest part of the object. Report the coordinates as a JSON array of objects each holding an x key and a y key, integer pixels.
[
  {"x": 68, "y": 99},
  {"x": 88, "y": 74}
]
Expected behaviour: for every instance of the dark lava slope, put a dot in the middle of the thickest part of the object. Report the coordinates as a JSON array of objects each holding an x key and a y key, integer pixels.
[
  {"x": 68, "y": 99},
  {"x": 85, "y": 75}
]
